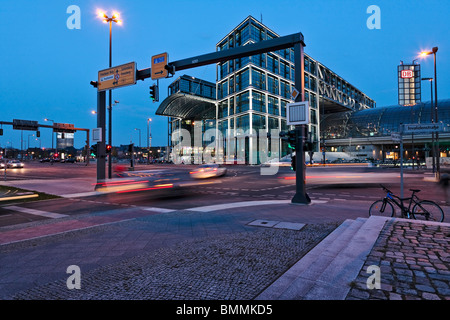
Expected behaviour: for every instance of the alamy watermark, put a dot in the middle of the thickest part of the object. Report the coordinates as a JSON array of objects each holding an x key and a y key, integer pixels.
[
  {"x": 74, "y": 280},
  {"x": 232, "y": 147},
  {"x": 374, "y": 21},
  {"x": 374, "y": 280},
  {"x": 74, "y": 20}
]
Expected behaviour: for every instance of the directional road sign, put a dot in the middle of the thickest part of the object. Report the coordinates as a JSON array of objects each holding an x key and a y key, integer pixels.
[
  {"x": 25, "y": 125},
  {"x": 297, "y": 113},
  {"x": 115, "y": 77},
  {"x": 423, "y": 128},
  {"x": 64, "y": 127},
  {"x": 396, "y": 137},
  {"x": 159, "y": 63}
]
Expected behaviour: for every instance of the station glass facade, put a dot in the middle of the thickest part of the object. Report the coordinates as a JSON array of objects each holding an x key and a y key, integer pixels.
[
  {"x": 253, "y": 92},
  {"x": 371, "y": 130}
]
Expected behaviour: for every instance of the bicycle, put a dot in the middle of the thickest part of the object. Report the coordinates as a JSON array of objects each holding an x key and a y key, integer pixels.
[{"x": 421, "y": 209}]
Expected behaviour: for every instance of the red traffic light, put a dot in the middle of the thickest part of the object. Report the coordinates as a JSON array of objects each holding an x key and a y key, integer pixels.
[{"x": 108, "y": 148}]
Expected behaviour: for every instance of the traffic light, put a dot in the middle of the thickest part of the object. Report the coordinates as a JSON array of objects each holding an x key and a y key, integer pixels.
[
  {"x": 1, "y": 132},
  {"x": 308, "y": 146},
  {"x": 293, "y": 163},
  {"x": 154, "y": 93},
  {"x": 94, "y": 150},
  {"x": 170, "y": 68},
  {"x": 38, "y": 134},
  {"x": 289, "y": 137},
  {"x": 108, "y": 148}
]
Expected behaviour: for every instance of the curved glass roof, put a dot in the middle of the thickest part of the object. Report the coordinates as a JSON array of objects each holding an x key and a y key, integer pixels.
[{"x": 382, "y": 121}]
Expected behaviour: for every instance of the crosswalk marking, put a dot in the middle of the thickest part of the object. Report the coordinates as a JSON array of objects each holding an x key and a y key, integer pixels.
[{"x": 36, "y": 212}]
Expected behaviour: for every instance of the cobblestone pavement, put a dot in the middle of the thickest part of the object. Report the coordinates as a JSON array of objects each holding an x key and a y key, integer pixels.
[{"x": 413, "y": 260}]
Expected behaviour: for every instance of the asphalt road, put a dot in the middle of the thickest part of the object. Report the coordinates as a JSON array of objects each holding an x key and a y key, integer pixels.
[{"x": 241, "y": 183}]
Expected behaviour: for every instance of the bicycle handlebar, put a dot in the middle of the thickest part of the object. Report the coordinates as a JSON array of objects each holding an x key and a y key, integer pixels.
[{"x": 385, "y": 189}]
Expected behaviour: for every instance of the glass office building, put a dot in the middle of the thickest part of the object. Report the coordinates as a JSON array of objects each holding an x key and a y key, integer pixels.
[
  {"x": 252, "y": 93},
  {"x": 251, "y": 98}
]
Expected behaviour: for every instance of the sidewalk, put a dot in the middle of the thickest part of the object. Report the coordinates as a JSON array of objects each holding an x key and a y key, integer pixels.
[{"x": 245, "y": 251}]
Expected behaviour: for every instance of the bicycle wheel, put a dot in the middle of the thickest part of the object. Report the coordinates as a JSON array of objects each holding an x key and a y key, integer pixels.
[
  {"x": 428, "y": 210},
  {"x": 382, "y": 208}
]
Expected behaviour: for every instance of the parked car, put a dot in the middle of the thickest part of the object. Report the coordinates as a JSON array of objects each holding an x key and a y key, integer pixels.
[
  {"x": 69, "y": 160},
  {"x": 14, "y": 164},
  {"x": 205, "y": 171},
  {"x": 45, "y": 160}
]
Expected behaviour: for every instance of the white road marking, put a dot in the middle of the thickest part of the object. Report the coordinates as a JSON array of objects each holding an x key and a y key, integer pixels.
[
  {"x": 36, "y": 212},
  {"x": 162, "y": 210}
]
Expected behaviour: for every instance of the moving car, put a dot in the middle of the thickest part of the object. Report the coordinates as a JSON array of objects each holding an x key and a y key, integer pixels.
[
  {"x": 69, "y": 160},
  {"x": 15, "y": 164},
  {"x": 205, "y": 171},
  {"x": 2, "y": 164}
]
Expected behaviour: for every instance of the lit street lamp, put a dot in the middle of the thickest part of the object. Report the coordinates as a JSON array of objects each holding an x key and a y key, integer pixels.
[
  {"x": 110, "y": 20},
  {"x": 424, "y": 54}
]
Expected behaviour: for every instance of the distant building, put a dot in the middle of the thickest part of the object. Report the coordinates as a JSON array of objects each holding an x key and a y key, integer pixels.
[
  {"x": 409, "y": 84},
  {"x": 64, "y": 140}
]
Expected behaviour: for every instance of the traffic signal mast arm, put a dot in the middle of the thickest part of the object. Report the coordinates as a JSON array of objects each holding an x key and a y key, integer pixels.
[{"x": 225, "y": 55}]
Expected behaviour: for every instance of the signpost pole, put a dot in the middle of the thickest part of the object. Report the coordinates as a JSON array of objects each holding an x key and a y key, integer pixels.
[
  {"x": 101, "y": 148},
  {"x": 300, "y": 196},
  {"x": 401, "y": 161}
]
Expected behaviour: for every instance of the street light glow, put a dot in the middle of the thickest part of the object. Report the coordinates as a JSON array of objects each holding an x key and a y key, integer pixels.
[
  {"x": 101, "y": 13},
  {"x": 114, "y": 18}
]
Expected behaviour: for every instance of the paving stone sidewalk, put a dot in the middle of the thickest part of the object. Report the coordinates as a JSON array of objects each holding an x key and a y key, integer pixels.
[{"x": 413, "y": 260}]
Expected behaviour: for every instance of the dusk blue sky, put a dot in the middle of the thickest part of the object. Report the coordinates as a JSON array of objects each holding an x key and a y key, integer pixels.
[{"x": 46, "y": 67}]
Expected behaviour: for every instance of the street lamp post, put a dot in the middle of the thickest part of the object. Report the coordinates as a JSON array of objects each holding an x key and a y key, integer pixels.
[
  {"x": 139, "y": 136},
  {"x": 28, "y": 149},
  {"x": 432, "y": 121},
  {"x": 110, "y": 20},
  {"x": 148, "y": 139},
  {"x": 53, "y": 123},
  {"x": 423, "y": 54}
]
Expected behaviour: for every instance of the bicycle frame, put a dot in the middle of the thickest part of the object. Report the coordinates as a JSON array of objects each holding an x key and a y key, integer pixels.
[
  {"x": 416, "y": 209},
  {"x": 406, "y": 211}
]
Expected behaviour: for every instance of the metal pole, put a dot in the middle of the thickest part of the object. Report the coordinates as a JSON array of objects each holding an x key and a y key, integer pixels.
[
  {"x": 300, "y": 196},
  {"x": 101, "y": 149},
  {"x": 401, "y": 167},
  {"x": 110, "y": 104},
  {"x": 88, "y": 147},
  {"x": 433, "y": 150},
  {"x": 438, "y": 165},
  {"x": 148, "y": 141}
]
